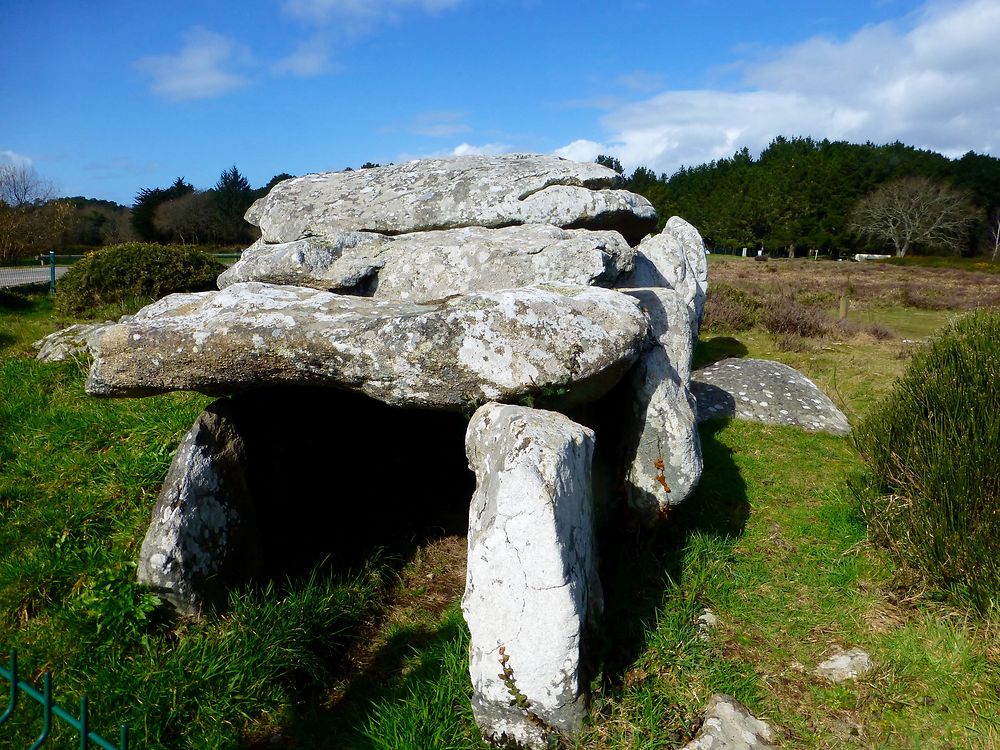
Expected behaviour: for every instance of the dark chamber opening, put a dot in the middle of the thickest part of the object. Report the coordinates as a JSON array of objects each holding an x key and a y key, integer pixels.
[{"x": 337, "y": 475}]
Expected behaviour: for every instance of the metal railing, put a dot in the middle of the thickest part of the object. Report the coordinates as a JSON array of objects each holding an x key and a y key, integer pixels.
[
  {"x": 49, "y": 709},
  {"x": 50, "y": 268}
]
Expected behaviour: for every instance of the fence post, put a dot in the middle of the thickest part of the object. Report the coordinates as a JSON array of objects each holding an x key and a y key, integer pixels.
[{"x": 52, "y": 271}]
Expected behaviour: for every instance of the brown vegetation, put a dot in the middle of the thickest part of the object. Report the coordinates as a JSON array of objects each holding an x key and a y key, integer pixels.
[{"x": 821, "y": 284}]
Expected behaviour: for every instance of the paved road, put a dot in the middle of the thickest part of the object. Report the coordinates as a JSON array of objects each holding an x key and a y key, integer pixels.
[{"x": 25, "y": 276}]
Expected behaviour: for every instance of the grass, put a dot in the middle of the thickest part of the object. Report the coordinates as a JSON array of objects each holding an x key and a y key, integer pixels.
[{"x": 375, "y": 657}]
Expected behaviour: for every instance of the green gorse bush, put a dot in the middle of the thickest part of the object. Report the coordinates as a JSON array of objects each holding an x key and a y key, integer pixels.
[
  {"x": 932, "y": 491},
  {"x": 134, "y": 270}
]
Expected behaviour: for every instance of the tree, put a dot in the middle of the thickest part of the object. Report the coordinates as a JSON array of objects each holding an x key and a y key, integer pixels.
[
  {"x": 915, "y": 212},
  {"x": 232, "y": 197},
  {"x": 189, "y": 220},
  {"x": 610, "y": 162},
  {"x": 146, "y": 203},
  {"x": 93, "y": 222},
  {"x": 30, "y": 219}
]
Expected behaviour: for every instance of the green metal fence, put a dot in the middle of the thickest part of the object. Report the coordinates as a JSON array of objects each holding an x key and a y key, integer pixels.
[{"x": 49, "y": 709}]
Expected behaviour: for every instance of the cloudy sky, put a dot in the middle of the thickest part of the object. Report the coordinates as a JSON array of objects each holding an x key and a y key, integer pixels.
[{"x": 105, "y": 98}]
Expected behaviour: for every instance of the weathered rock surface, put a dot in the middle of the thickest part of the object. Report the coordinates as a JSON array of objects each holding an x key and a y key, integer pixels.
[
  {"x": 428, "y": 194},
  {"x": 662, "y": 449},
  {"x": 431, "y": 265},
  {"x": 532, "y": 586},
  {"x": 759, "y": 390},
  {"x": 202, "y": 537},
  {"x": 844, "y": 665},
  {"x": 729, "y": 726},
  {"x": 674, "y": 258},
  {"x": 68, "y": 342},
  {"x": 443, "y": 354}
]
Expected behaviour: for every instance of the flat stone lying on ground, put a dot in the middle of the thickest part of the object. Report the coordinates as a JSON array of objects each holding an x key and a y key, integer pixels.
[
  {"x": 844, "y": 665},
  {"x": 429, "y": 194},
  {"x": 759, "y": 390},
  {"x": 729, "y": 726},
  {"x": 435, "y": 264},
  {"x": 444, "y": 354},
  {"x": 532, "y": 589}
]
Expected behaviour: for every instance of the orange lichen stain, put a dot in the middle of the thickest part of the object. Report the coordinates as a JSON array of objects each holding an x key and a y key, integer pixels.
[{"x": 658, "y": 463}]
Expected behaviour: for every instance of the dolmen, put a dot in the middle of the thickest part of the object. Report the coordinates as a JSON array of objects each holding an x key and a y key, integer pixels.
[{"x": 527, "y": 291}]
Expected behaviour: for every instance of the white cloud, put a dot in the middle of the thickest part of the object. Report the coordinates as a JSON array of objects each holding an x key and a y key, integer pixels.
[
  {"x": 202, "y": 69},
  {"x": 360, "y": 13},
  {"x": 439, "y": 124},
  {"x": 486, "y": 149},
  {"x": 932, "y": 83},
  {"x": 582, "y": 150},
  {"x": 310, "y": 58},
  {"x": 15, "y": 159}
]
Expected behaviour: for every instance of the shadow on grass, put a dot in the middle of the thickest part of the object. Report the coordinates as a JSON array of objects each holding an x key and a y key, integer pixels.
[
  {"x": 710, "y": 351},
  {"x": 14, "y": 301},
  {"x": 412, "y": 666},
  {"x": 640, "y": 570}
]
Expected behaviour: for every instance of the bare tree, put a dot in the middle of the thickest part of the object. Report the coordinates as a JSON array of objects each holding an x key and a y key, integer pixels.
[
  {"x": 30, "y": 219},
  {"x": 915, "y": 211}
]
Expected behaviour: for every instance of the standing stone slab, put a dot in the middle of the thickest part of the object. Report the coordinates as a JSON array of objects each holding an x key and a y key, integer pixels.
[
  {"x": 662, "y": 447},
  {"x": 441, "y": 354},
  {"x": 694, "y": 250},
  {"x": 532, "y": 587},
  {"x": 759, "y": 390},
  {"x": 674, "y": 258},
  {"x": 431, "y": 265},
  {"x": 202, "y": 537},
  {"x": 493, "y": 191}
]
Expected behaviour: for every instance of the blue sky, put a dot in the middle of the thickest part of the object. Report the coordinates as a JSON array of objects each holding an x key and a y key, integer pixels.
[{"x": 104, "y": 98}]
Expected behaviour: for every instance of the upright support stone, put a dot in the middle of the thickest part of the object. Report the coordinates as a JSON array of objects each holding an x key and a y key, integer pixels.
[
  {"x": 662, "y": 448},
  {"x": 532, "y": 588},
  {"x": 202, "y": 536}
]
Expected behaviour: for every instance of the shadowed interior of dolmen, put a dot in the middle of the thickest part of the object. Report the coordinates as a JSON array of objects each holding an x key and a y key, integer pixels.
[{"x": 335, "y": 475}]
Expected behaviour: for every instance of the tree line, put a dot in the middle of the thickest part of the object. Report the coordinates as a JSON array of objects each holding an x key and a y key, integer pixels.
[
  {"x": 803, "y": 195},
  {"x": 800, "y": 195}
]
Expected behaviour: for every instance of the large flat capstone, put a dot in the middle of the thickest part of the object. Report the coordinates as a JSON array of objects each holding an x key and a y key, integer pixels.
[
  {"x": 429, "y": 265},
  {"x": 494, "y": 191},
  {"x": 441, "y": 354}
]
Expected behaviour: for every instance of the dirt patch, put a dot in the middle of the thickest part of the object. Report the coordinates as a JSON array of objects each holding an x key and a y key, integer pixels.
[
  {"x": 430, "y": 583},
  {"x": 434, "y": 579}
]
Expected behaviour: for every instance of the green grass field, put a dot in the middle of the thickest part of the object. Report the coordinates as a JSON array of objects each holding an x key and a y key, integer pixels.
[{"x": 374, "y": 656}]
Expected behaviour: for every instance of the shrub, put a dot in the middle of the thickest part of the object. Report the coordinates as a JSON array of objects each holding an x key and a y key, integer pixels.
[
  {"x": 728, "y": 308},
  {"x": 790, "y": 317},
  {"x": 932, "y": 491},
  {"x": 134, "y": 270}
]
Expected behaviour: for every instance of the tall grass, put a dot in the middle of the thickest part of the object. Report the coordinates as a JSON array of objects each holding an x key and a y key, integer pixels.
[
  {"x": 78, "y": 478},
  {"x": 932, "y": 492}
]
